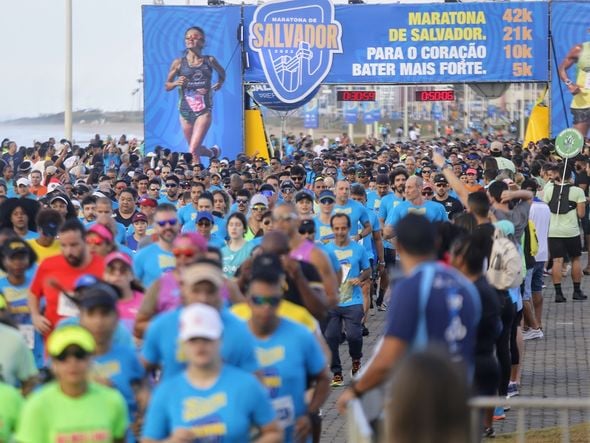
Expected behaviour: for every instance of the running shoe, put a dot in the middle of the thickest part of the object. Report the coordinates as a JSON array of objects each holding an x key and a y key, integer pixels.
[
  {"x": 382, "y": 307},
  {"x": 532, "y": 334},
  {"x": 356, "y": 366},
  {"x": 337, "y": 381},
  {"x": 499, "y": 413},
  {"x": 488, "y": 433},
  {"x": 512, "y": 390}
]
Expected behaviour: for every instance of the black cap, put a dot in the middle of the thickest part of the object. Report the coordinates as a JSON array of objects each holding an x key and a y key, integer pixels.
[
  {"x": 15, "y": 246},
  {"x": 440, "y": 178},
  {"x": 267, "y": 267},
  {"x": 382, "y": 169},
  {"x": 303, "y": 195},
  {"x": 99, "y": 294}
]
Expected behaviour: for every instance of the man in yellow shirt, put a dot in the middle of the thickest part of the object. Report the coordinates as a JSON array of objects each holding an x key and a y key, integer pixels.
[{"x": 47, "y": 244}]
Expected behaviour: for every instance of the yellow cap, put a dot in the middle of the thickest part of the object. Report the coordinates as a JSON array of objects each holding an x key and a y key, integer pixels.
[{"x": 70, "y": 335}]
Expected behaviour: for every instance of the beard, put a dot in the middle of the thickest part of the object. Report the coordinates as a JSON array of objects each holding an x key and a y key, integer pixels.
[{"x": 74, "y": 260}]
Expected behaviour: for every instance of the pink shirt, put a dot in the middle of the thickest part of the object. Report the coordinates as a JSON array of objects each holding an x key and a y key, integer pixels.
[{"x": 128, "y": 309}]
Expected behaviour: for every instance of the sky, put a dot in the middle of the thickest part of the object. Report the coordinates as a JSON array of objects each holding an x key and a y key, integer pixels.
[{"x": 107, "y": 54}]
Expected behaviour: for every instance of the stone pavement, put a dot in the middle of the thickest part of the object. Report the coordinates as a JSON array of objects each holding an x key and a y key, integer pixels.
[{"x": 555, "y": 366}]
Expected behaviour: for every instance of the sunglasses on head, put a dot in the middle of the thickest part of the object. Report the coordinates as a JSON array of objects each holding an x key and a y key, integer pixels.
[
  {"x": 171, "y": 222},
  {"x": 183, "y": 252},
  {"x": 78, "y": 354},
  {"x": 260, "y": 300}
]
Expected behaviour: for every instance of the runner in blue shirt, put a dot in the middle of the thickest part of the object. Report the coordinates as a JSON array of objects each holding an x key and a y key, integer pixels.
[
  {"x": 113, "y": 364},
  {"x": 355, "y": 270},
  {"x": 200, "y": 283},
  {"x": 172, "y": 191},
  {"x": 152, "y": 261},
  {"x": 237, "y": 250},
  {"x": 289, "y": 355},
  {"x": 355, "y": 211},
  {"x": 209, "y": 401},
  {"x": 323, "y": 229}
]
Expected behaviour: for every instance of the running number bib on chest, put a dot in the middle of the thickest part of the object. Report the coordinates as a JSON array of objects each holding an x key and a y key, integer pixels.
[
  {"x": 28, "y": 332},
  {"x": 66, "y": 307},
  {"x": 285, "y": 410},
  {"x": 587, "y": 80}
]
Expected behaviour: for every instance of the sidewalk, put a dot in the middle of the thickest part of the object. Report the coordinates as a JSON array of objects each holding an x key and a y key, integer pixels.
[{"x": 555, "y": 366}]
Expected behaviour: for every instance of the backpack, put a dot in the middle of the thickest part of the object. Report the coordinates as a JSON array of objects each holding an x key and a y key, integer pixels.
[
  {"x": 561, "y": 199},
  {"x": 505, "y": 267}
]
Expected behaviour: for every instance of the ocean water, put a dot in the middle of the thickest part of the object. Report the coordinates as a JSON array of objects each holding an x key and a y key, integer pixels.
[{"x": 27, "y": 135}]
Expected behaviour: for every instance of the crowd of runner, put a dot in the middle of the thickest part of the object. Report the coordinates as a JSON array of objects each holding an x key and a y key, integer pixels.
[{"x": 147, "y": 298}]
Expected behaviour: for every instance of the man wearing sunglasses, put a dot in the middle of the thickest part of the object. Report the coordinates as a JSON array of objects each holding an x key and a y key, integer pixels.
[
  {"x": 71, "y": 408},
  {"x": 298, "y": 177},
  {"x": 288, "y": 191},
  {"x": 152, "y": 261},
  {"x": 441, "y": 195},
  {"x": 172, "y": 194},
  {"x": 289, "y": 355}
]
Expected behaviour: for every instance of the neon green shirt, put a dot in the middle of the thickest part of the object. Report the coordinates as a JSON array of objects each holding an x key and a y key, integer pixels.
[
  {"x": 50, "y": 416},
  {"x": 11, "y": 403}
]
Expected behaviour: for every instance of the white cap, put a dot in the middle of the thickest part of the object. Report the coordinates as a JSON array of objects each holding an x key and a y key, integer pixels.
[
  {"x": 52, "y": 187},
  {"x": 259, "y": 199},
  {"x": 23, "y": 181},
  {"x": 200, "y": 321}
]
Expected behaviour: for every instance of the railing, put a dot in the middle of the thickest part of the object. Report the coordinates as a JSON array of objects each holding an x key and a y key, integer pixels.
[{"x": 521, "y": 404}]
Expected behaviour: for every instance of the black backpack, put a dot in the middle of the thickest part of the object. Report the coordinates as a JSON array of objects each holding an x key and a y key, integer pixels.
[{"x": 560, "y": 199}]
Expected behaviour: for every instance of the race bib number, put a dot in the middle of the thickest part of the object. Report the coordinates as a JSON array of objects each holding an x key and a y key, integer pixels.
[
  {"x": 345, "y": 270},
  {"x": 28, "y": 332},
  {"x": 195, "y": 102},
  {"x": 285, "y": 410},
  {"x": 587, "y": 80},
  {"x": 66, "y": 307}
]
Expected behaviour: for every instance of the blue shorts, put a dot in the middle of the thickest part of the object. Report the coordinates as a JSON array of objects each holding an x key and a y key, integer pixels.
[{"x": 534, "y": 280}]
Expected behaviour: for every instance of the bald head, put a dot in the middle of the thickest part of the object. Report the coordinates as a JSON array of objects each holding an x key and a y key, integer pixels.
[{"x": 275, "y": 242}]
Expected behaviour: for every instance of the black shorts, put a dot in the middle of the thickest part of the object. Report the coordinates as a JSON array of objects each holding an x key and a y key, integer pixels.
[
  {"x": 581, "y": 115},
  {"x": 389, "y": 257},
  {"x": 565, "y": 247}
]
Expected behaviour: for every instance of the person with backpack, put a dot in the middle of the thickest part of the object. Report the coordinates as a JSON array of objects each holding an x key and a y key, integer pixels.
[{"x": 567, "y": 204}]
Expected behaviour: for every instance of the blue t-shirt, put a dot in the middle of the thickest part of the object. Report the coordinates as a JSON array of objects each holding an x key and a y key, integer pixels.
[
  {"x": 31, "y": 235},
  {"x": 223, "y": 413},
  {"x": 151, "y": 262},
  {"x": 449, "y": 316},
  {"x": 17, "y": 299},
  {"x": 331, "y": 256},
  {"x": 232, "y": 260},
  {"x": 122, "y": 335},
  {"x": 162, "y": 346},
  {"x": 121, "y": 366},
  {"x": 431, "y": 210},
  {"x": 388, "y": 202},
  {"x": 374, "y": 200},
  {"x": 368, "y": 242},
  {"x": 356, "y": 212},
  {"x": 323, "y": 232},
  {"x": 187, "y": 214},
  {"x": 353, "y": 260},
  {"x": 164, "y": 199},
  {"x": 218, "y": 230},
  {"x": 287, "y": 358}
]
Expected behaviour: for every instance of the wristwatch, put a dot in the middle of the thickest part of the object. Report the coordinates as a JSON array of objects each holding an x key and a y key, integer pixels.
[{"x": 568, "y": 82}]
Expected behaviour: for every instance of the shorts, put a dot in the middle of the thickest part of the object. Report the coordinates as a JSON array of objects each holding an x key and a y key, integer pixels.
[
  {"x": 581, "y": 115},
  {"x": 389, "y": 257},
  {"x": 533, "y": 282},
  {"x": 565, "y": 247}
]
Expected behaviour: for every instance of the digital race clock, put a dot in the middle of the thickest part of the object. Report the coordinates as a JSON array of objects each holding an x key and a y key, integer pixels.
[
  {"x": 356, "y": 96},
  {"x": 435, "y": 96}
]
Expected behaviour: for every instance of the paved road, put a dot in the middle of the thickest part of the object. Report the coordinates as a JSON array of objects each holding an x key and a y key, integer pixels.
[{"x": 556, "y": 366}]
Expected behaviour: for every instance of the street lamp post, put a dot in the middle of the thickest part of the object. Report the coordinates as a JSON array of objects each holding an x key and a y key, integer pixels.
[{"x": 68, "y": 95}]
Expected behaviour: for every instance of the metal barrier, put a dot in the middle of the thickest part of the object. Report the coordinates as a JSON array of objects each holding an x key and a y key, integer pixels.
[{"x": 563, "y": 405}]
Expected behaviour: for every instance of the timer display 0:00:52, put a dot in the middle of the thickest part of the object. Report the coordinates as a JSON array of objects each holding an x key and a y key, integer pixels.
[{"x": 435, "y": 96}]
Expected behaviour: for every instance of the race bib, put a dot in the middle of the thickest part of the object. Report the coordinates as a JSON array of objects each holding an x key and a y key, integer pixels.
[
  {"x": 285, "y": 410},
  {"x": 28, "y": 332},
  {"x": 66, "y": 307},
  {"x": 587, "y": 80},
  {"x": 195, "y": 102},
  {"x": 345, "y": 270}
]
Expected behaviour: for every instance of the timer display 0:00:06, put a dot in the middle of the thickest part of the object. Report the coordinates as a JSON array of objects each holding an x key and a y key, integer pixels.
[
  {"x": 356, "y": 96},
  {"x": 435, "y": 96}
]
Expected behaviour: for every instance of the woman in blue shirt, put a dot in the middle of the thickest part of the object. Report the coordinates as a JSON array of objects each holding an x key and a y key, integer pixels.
[
  {"x": 237, "y": 249},
  {"x": 209, "y": 401}
]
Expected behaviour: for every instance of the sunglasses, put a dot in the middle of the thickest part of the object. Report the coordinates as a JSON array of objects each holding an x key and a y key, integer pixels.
[
  {"x": 171, "y": 222},
  {"x": 96, "y": 241},
  {"x": 78, "y": 354},
  {"x": 268, "y": 194},
  {"x": 171, "y": 185},
  {"x": 240, "y": 201},
  {"x": 426, "y": 171},
  {"x": 286, "y": 217},
  {"x": 287, "y": 190},
  {"x": 297, "y": 178},
  {"x": 272, "y": 301},
  {"x": 327, "y": 201},
  {"x": 154, "y": 189},
  {"x": 306, "y": 229},
  {"x": 427, "y": 194},
  {"x": 186, "y": 253},
  {"x": 259, "y": 208},
  {"x": 205, "y": 223},
  {"x": 441, "y": 185}
]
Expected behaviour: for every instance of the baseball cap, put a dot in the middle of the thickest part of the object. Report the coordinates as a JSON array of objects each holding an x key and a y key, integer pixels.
[
  {"x": 117, "y": 256},
  {"x": 303, "y": 195},
  {"x": 201, "y": 272},
  {"x": 266, "y": 266},
  {"x": 200, "y": 321},
  {"x": 58, "y": 197},
  {"x": 13, "y": 247},
  {"x": 23, "y": 181},
  {"x": 139, "y": 217},
  {"x": 102, "y": 231},
  {"x": 85, "y": 281},
  {"x": 287, "y": 184},
  {"x": 70, "y": 335},
  {"x": 98, "y": 294},
  {"x": 440, "y": 178},
  {"x": 496, "y": 146},
  {"x": 259, "y": 199},
  {"x": 204, "y": 215},
  {"x": 147, "y": 201},
  {"x": 382, "y": 169},
  {"x": 50, "y": 170},
  {"x": 382, "y": 179},
  {"x": 327, "y": 194},
  {"x": 471, "y": 171}
]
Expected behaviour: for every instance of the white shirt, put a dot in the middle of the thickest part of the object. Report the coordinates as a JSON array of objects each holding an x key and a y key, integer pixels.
[{"x": 540, "y": 215}]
